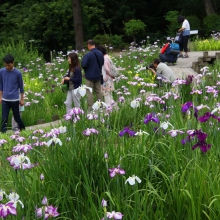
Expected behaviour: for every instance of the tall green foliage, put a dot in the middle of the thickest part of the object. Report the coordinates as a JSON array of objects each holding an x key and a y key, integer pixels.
[
  {"x": 133, "y": 27},
  {"x": 20, "y": 52},
  {"x": 171, "y": 17},
  {"x": 212, "y": 23},
  {"x": 50, "y": 23},
  {"x": 195, "y": 23},
  {"x": 114, "y": 41}
]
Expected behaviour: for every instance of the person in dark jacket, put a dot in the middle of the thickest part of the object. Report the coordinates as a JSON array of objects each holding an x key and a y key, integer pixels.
[
  {"x": 92, "y": 63},
  {"x": 11, "y": 86},
  {"x": 73, "y": 80}
]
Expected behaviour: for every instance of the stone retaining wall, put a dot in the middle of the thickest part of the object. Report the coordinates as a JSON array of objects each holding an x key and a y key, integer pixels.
[{"x": 205, "y": 60}]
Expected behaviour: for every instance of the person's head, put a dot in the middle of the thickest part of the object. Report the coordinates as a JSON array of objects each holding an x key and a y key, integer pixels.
[
  {"x": 9, "y": 62},
  {"x": 180, "y": 19},
  {"x": 90, "y": 44},
  {"x": 102, "y": 49},
  {"x": 73, "y": 61},
  {"x": 156, "y": 62},
  {"x": 169, "y": 41}
]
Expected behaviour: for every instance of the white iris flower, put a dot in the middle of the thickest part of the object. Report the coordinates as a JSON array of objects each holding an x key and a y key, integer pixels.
[
  {"x": 135, "y": 104},
  {"x": 54, "y": 140},
  {"x": 98, "y": 104},
  {"x": 131, "y": 180},
  {"x": 82, "y": 90},
  {"x": 14, "y": 197},
  {"x": 165, "y": 125}
]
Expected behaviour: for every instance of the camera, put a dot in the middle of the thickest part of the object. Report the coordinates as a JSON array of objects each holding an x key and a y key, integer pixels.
[{"x": 150, "y": 66}]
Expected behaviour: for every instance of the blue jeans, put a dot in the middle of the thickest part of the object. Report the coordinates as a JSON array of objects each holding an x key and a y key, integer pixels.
[{"x": 6, "y": 106}]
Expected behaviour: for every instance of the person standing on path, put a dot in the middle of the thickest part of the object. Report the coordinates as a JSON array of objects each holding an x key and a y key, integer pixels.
[
  {"x": 73, "y": 80},
  {"x": 185, "y": 29},
  {"x": 108, "y": 85},
  {"x": 92, "y": 63},
  {"x": 11, "y": 84}
]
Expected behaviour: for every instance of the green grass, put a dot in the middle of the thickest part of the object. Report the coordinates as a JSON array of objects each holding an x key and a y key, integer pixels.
[{"x": 176, "y": 181}]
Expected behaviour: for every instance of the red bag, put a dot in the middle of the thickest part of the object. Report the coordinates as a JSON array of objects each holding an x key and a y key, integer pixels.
[{"x": 164, "y": 48}]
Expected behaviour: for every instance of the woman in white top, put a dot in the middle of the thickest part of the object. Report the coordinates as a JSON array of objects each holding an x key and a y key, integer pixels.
[
  {"x": 185, "y": 29},
  {"x": 108, "y": 86}
]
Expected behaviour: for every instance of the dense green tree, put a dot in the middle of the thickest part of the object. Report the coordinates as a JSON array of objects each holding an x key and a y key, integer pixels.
[
  {"x": 66, "y": 24},
  {"x": 133, "y": 27}
]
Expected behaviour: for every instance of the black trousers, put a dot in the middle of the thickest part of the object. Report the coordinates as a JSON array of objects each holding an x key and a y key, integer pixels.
[
  {"x": 184, "y": 44},
  {"x": 6, "y": 106}
]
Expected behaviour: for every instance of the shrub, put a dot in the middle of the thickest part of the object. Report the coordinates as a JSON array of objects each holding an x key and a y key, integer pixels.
[
  {"x": 20, "y": 52},
  {"x": 114, "y": 41},
  {"x": 133, "y": 27},
  {"x": 212, "y": 23},
  {"x": 171, "y": 17},
  {"x": 194, "y": 22}
]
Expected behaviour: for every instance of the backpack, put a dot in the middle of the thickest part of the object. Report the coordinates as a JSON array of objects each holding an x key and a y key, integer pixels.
[
  {"x": 164, "y": 48},
  {"x": 173, "y": 49},
  {"x": 113, "y": 70}
]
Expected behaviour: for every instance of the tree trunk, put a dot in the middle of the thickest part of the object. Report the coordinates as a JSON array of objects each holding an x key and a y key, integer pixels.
[
  {"x": 209, "y": 7},
  {"x": 78, "y": 24}
]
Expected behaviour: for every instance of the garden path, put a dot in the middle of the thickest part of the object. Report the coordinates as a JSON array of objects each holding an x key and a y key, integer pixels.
[{"x": 184, "y": 65}]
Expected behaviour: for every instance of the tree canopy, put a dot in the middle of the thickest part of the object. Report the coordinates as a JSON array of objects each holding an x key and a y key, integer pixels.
[{"x": 66, "y": 24}]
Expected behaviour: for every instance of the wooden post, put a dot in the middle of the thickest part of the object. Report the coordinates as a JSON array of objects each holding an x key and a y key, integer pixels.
[
  {"x": 195, "y": 67},
  {"x": 217, "y": 56},
  {"x": 200, "y": 60},
  {"x": 205, "y": 54},
  {"x": 51, "y": 56}
]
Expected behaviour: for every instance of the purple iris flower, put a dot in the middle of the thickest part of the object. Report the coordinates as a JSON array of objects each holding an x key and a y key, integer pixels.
[
  {"x": 204, "y": 147},
  {"x": 127, "y": 130},
  {"x": 7, "y": 209},
  {"x": 196, "y": 113},
  {"x": 189, "y": 79},
  {"x": 42, "y": 177},
  {"x": 207, "y": 116},
  {"x": 185, "y": 140},
  {"x": 186, "y": 106},
  {"x": 201, "y": 136},
  {"x": 49, "y": 212},
  {"x": 115, "y": 171},
  {"x": 44, "y": 201},
  {"x": 151, "y": 117}
]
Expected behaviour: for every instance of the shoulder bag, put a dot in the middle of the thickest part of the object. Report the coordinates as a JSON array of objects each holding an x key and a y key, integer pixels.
[{"x": 100, "y": 67}]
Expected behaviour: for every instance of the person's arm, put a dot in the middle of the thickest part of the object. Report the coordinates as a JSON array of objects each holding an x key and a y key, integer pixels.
[
  {"x": 183, "y": 26},
  {"x": 63, "y": 79},
  {"x": 22, "y": 99},
  {"x": 21, "y": 87},
  {"x": 0, "y": 97},
  {"x": 1, "y": 88},
  {"x": 181, "y": 29},
  {"x": 77, "y": 76},
  {"x": 84, "y": 62},
  {"x": 152, "y": 70},
  {"x": 106, "y": 66}
]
